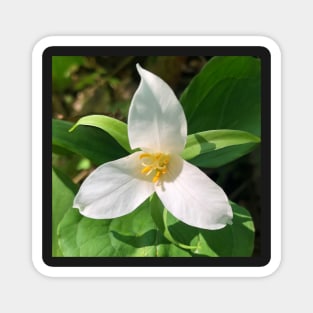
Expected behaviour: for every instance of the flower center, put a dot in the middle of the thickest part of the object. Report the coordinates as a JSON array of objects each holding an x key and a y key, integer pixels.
[{"x": 155, "y": 164}]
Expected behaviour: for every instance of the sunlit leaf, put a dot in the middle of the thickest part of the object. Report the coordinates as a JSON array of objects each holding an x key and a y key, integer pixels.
[
  {"x": 143, "y": 233},
  {"x": 89, "y": 142},
  {"x": 117, "y": 129},
  {"x": 215, "y": 148},
  {"x": 132, "y": 235}
]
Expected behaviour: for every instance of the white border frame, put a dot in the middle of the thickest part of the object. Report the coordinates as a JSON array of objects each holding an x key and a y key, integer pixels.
[{"x": 266, "y": 270}]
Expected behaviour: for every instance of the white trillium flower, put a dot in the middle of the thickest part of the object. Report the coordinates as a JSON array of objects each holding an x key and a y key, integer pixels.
[{"x": 157, "y": 125}]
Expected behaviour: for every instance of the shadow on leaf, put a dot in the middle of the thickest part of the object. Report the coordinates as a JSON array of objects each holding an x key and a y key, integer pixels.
[{"x": 149, "y": 238}]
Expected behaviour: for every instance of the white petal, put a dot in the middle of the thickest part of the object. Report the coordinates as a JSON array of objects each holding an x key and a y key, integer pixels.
[
  {"x": 192, "y": 197},
  {"x": 156, "y": 120},
  {"x": 114, "y": 189}
]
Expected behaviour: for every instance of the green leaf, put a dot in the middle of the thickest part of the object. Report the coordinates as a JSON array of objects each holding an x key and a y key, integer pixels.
[
  {"x": 225, "y": 95},
  {"x": 62, "y": 67},
  {"x": 63, "y": 191},
  {"x": 215, "y": 148},
  {"x": 233, "y": 240},
  {"x": 243, "y": 231},
  {"x": 132, "y": 235},
  {"x": 152, "y": 231},
  {"x": 117, "y": 129},
  {"x": 217, "y": 158},
  {"x": 89, "y": 142}
]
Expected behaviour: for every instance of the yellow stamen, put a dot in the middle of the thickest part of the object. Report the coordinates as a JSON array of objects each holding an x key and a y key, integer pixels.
[
  {"x": 156, "y": 177},
  {"x": 144, "y": 155},
  {"x": 154, "y": 163},
  {"x": 146, "y": 169},
  {"x": 158, "y": 155}
]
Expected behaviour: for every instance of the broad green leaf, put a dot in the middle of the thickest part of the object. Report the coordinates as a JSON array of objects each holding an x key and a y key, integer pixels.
[
  {"x": 233, "y": 240},
  {"x": 225, "y": 95},
  {"x": 149, "y": 232},
  {"x": 89, "y": 142},
  {"x": 62, "y": 66},
  {"x": 132, "y": 235},
  {"x": 117, "y": 129},
  {"x": 63, "y": 191},
  {"x": 215, "y": 148},
  {"x": 217, "y": 158}
]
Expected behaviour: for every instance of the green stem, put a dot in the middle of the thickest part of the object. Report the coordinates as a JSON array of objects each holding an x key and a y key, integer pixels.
[{"x": 169, "y": 236}]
